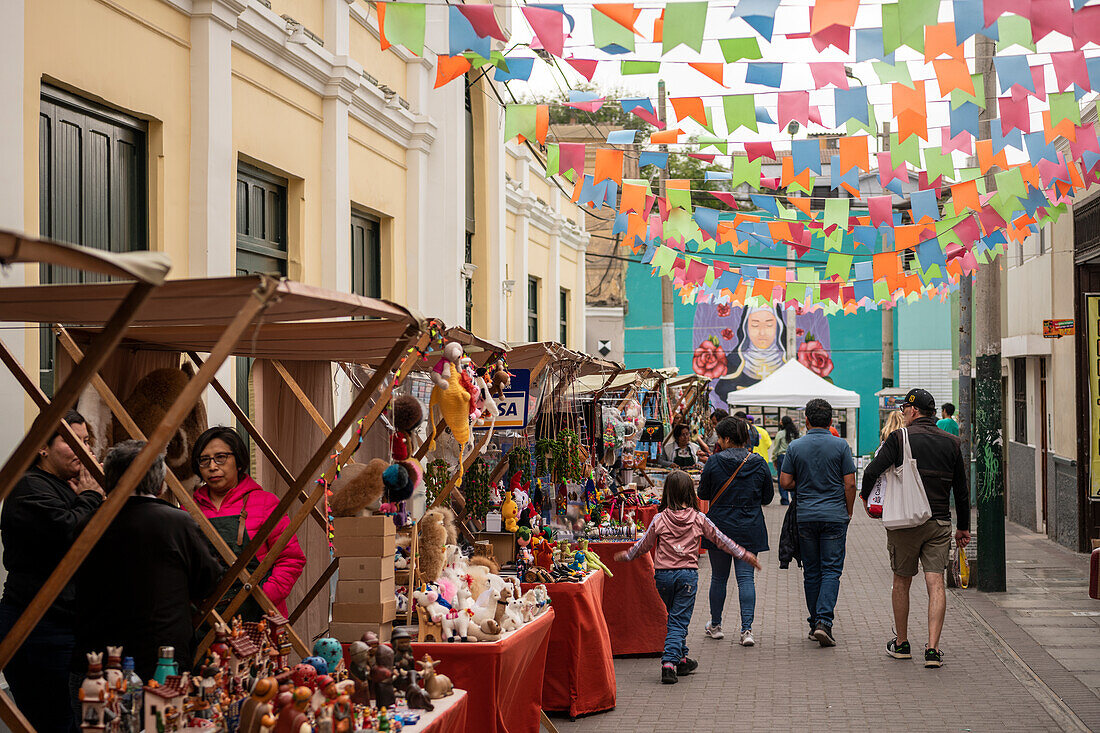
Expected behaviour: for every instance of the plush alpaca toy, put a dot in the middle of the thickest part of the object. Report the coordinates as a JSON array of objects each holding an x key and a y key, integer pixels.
[
  {"x": 453, "y": 401},
  {"x": 500, "y": 379},
  {"x": 407, "y": 416},
  {"x": 433, "y": 541},
  {"x": 357, "y": 487},
  {"x": 149, "y": 402}
]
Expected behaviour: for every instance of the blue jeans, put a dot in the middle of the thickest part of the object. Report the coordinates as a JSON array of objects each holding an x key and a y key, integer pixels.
[
  {"x": 38, "y": 674},
  {"x": 677, "y": 590},
  {"x": 784, "y": 495},
  {"x": 746, "y": 587},
  {"x": 822, "y": 546}
]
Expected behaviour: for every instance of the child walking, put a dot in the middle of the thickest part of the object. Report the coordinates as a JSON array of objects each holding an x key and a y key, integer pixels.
[{"x": 676, "y": 532}]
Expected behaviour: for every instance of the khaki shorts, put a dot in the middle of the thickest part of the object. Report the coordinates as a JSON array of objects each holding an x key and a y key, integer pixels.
[{"x": 930, "y": 542}]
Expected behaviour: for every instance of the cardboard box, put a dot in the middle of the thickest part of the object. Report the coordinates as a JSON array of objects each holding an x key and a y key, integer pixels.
[
  {"x": 349, "y": 632},
  {"x": 364, "y": 591},
  {"x": 365, "y": 612},
  {"x": 366, "y": 568},
  {"x": 504, "y": 545},
  {"x": 376, "y": 525},
  {"x": 364, "y": 546}
]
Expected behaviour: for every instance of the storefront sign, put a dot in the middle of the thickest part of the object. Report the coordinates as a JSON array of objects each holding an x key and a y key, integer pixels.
[
  {"x": 1056, "y": 328},
  {"x": 1092, "y": 336},
  {"x": 513, "y": 409}
]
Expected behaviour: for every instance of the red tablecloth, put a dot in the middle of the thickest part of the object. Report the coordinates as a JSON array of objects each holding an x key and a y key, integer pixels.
[
  {"x": 503, "y": 679},
  {"x": 580, "y": 673},
  {"x": 635, "y": 616},
  {"x": 449, "y": 715},
  {"x": 644, "y": 513}
]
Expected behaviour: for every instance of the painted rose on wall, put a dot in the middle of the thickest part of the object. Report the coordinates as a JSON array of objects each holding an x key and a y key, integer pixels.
[
  {"x": 815, "y": 357},
  {"x": 709, "y": 360}
]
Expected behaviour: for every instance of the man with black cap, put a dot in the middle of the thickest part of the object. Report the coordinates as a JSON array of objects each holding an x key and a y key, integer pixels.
[{"x": 940, "y": 466}]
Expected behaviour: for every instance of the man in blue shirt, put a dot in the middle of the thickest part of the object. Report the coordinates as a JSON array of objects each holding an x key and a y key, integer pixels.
[{"x": 821, "y": 473}]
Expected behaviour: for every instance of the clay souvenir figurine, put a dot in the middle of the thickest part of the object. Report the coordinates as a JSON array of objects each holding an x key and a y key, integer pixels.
[
  {"x": 417, "y": 698},
  {"x": 359, "y": 656},
  {"x": 330, "y": 650},
  {"x": 454, "y": 401},
  {"x": 93, "y": 695},
  {"x": 322, "y": 721},
  {"x": 304, "y": 675},
  {"x": 257, "y": 705},
  {"x": 437, "y": 685},
  {"x": 402, "y": 651},
  {"x": 292, "y": 717},
  {"x": 382, "y": 676},
  {"x": 343, "y": 713}
]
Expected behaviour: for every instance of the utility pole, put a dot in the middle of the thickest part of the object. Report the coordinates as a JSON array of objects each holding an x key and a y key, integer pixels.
[
  {"x": 887, "y": 311},
  {"x": 988, "y": 438},
  {"x": 966, "y": 348},
  {"x": 668, "y": 317}
]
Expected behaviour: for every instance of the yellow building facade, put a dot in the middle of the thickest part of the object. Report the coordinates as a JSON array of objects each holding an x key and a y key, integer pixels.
[{"x": 275, "y": 135}]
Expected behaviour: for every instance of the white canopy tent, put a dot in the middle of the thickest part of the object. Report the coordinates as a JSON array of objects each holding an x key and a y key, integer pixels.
[{"x": 793, "y": 385}]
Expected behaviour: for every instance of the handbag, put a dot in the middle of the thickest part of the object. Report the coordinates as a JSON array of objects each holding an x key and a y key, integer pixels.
[
  {"x": 906, "y": 504},
  {"x": 878, "y": 493},
  {"x": 958, "y": 571},
  {"x": 653, "y": 432}
]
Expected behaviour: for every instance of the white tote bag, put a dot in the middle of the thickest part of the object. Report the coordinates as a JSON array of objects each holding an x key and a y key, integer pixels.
[{"x": 906, "y": 504}]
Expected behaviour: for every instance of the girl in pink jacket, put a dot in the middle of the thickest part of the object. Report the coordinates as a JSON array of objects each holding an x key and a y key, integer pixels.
[
  {"x": 237, "y": 507},
  {"x": 675, "y": 534}
]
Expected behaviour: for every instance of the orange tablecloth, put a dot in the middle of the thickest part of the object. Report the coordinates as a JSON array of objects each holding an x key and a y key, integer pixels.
[
  {"x": 580, "y": 673},
  {"x": 449, "y": 715},
  {"x": 644, "y": 513},
  {"x": 635, "y": 616},
  {"x": 503, "y": 679}
]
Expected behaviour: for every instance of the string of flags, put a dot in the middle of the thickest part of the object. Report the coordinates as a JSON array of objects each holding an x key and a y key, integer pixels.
[{"x": 920, "y": 213}]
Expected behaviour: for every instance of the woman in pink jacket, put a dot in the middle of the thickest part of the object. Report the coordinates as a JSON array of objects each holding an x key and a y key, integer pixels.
[{"x": 237, "y": 506}]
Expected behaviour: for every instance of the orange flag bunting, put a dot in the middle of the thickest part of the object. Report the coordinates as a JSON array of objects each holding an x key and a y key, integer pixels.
[
  {"x": 633, "y": 198},
  {"x": 912, "y": 123},
  {"x": 762, "y": 288},
  {"x": 625, "y": 14},
  {"x": 659, "y": 28},
  {"x": 789, "y": 178},
  {"x": 854, "y": 153},
  {"x": 906, "y": 98},
  {"x": 609, "y": 164},
  {"x": 953, "y": 74},
  {"x": 884, "y": 265},
  {"x": 449, "y": 68},
  {"x": 690, "y": 107},
  {"x": 711, "y": 70},
  {"x": 801, "y": 203},
  {"x": 986, "y": 158},
  {"x": 664, "y": 137},
  {"x": 939, "y": 40},
  {"x": 833, "y": 12},
  {"x": 1064, "y": 128},
  {"x": 964, "y": 196}
]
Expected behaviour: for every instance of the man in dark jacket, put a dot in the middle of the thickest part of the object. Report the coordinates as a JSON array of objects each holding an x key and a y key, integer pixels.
[
  {"x": 136, "y": 588},
  {"x": 940, "y": 466},
  {"x": 40, "y": 519}
]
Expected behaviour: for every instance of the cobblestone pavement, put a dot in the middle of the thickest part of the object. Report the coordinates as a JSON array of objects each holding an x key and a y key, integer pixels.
[{"x": 788, "y": 683}]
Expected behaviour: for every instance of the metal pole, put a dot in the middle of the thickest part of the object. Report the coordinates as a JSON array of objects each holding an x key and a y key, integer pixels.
[
  {"x": 988, "y": 439},
  {"x": 668, "y": 318},
  {"x": 966, "y": 348},
  {"x": 887, "y": 311}
]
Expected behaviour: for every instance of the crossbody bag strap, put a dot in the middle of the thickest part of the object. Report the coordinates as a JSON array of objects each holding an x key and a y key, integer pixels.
[{"x": 730, "y": 479}]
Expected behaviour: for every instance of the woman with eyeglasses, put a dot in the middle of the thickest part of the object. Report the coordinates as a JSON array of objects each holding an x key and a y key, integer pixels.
[{"x": 237, "y": 507}]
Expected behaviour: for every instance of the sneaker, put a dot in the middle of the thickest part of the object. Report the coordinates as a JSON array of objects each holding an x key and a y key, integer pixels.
[
  {"x": 898, "y": 651},
  {"x": 824, "y": 635},
  {"x": 686, "y": 666},
  {"x": 810, "y": 636},
  {"x": 668, "y": 674},
  {"x": 933, "y": 658},
  {"x": 714, "y": 632},
  {"x": 746, "y": 638}
]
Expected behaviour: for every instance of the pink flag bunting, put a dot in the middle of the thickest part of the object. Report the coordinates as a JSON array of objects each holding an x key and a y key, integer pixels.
[
  {"x": 1070, "y": 69},
  {"x": 483, "y": 21},
  {"x": 571, "y": 157},
  {"x": 1014, "y": 115},
  {"x": 794, "y": 106},
  {"x": 584, "y": 67},
  {"x": 547, "y": 25},
  {"x": 887, "y": 174},
  {"x": 759, "y": 150},
  {"x": 829, "y": 72},
  {"x": 881, "y": 210},
  {"x": 1049, "y": 16}
]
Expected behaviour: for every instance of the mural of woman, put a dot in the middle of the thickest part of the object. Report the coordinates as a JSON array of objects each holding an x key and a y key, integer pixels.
[{"x": 761, "y": 349}]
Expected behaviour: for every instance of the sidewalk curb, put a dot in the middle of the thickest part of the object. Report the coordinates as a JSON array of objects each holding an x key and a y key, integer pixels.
[{"x": 990, "y": 621}]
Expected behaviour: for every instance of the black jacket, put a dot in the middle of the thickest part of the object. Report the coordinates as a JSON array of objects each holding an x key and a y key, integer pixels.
[
  {"x": 788, "y": 537},
  {"x": 37, "y": 526},
  {"x": 737, "y": 512},
  {"x": 138, "y": 583},
  {"x": 939, "y": 462}
]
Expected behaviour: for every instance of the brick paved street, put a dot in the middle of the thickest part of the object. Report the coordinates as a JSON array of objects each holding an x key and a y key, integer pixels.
[{"x": 789, "y": 683}]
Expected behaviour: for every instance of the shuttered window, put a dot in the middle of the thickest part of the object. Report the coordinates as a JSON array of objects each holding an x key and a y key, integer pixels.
[
  {"x": 366, "y": 256},
  {"x": 261, "y": 222},
  {"x": 92, "y": 188}
]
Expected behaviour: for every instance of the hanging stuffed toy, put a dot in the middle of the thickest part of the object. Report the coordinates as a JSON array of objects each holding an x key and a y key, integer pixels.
[
  {"x": 407, "y": 416},
  {"x": 499, "y": 378},
  {"x": 453, "y": 401},
  {"x": 357, "y": 487},
  {"x": 486, "y": 407}
]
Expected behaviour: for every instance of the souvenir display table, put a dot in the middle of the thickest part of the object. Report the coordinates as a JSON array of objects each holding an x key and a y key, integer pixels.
[
  {"x": 635, "y": 616},
  {"x": 644, "y": 513},
  {"x": 449, "y": 715},
  {"x": 580, "y": 673},
  {"x": 503, "y": 679}
]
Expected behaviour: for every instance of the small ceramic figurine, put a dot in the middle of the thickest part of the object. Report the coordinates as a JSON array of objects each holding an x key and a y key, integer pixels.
[
  {"x": 436, "y": 684},
  {"x": 292, "y": 717},
  {"x": 343, "y": 713},
  {"x": 93, "y": 695},
  {"x": 418, "y": 698},
  {"x": 359, "y": 656},
  {"x": 330, "y": 650},
  {"x": 402, "y": 651},
  {"x": 257, "y": 705},
  {"x": 382, "y": 676}
]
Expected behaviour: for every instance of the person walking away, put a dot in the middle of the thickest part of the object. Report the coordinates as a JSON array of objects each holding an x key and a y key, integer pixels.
[
  {"x": 737, "y": 483},
  {"x": 763, "y": 444},
  {"x": 712, "y": 435},
  {"x": 675, "y": 535},
  {"x": 754, "y": 435},
  {"x": 41, "y": 517},
  {"x": 820, "y": 470},
  {"x": 786, "y": 434},
  {"x": 938, "y": 455},
  {"x": 680, "y": 452},
  {"x": 237, "y": 507},
  {"x": 143, "y": 603},
  {"x": 948, "y": 423}
]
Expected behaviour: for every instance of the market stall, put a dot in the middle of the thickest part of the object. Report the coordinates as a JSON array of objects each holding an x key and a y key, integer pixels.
[
  {"x": 503, "y": 679},
  {"x": 580, "y": 673}
]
